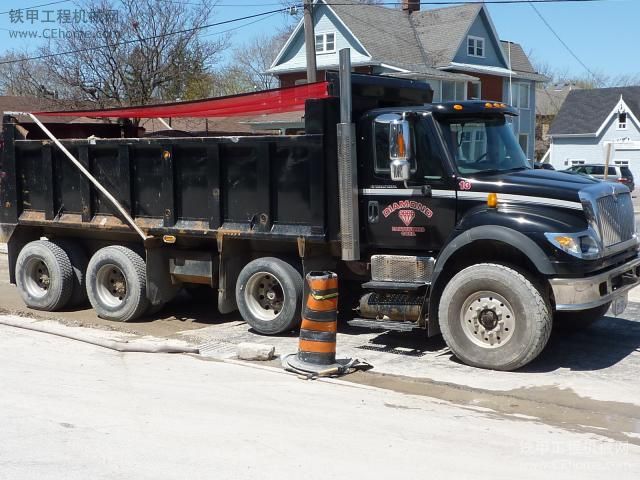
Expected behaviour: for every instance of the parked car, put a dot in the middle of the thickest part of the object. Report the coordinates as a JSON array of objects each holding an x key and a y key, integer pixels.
[{"x": 616, "y": 173}]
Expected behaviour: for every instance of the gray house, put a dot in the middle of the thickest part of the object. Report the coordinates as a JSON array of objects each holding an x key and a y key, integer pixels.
[
  {"x": 589, "y": 120},
  {"x": 455, "y": 49}
]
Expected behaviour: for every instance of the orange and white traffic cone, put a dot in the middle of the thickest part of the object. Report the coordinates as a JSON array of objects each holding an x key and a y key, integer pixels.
[{"x": 317, "y": 347}]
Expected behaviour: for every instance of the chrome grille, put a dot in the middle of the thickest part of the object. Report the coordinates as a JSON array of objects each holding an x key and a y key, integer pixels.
[
  {"x": 401, "y": 268},
  {"x": 615, "y": 218}
]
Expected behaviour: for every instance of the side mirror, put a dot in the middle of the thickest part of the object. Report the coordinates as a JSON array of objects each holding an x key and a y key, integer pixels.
[{"x": 400, "y": 150}]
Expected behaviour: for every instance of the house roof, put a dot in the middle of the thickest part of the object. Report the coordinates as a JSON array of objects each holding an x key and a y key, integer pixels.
[
  {"x": 442, "y": 30},
  {"x": 384, "y": 32},
  {"x": 427, "y": 38},
  {"x": 585, "y": 111},
  {"x": 549, "y": 98}
]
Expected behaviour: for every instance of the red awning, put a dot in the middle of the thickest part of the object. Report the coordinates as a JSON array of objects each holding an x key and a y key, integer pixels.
[{"x": 268, "y": 101}]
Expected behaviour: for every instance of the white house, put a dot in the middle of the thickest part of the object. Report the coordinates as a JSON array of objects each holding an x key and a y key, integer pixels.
[{"x": 591, "y": 119}]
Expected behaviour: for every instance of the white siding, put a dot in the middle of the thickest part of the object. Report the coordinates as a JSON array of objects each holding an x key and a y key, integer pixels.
[
  {"x": 592, "y": 149},
  {"x": 295, "y": 57}
]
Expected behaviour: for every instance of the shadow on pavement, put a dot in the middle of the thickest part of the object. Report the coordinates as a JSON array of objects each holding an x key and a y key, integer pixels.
[
  {"x": 604, "y": 344},
  {"x": 410, "y": 344}
]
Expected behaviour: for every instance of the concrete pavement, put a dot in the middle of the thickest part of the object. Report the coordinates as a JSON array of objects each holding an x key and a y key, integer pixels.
[{"x": 74, "y": 411}]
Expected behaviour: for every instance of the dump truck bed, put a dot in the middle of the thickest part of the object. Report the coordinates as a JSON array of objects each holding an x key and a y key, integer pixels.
[{"x": 257, "y": 185}]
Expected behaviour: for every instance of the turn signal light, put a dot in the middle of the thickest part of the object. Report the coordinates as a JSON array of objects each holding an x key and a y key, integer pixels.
[
  {"x": 492, "y": 200},
  {"x": 457, "y": 107},
  {"x": 169, "y": 239},
  {"x": 488, "y": 105}
]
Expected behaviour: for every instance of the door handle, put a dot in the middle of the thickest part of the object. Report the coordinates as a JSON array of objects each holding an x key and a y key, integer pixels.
[
  {"x": 426, "y": 191},
  {"x": 373, "y": 211}
]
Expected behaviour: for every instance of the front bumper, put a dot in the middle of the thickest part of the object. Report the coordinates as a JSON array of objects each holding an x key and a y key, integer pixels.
[{"x": 590, "y": 292}]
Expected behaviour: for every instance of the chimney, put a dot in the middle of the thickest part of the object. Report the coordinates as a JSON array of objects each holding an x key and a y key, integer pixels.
[{"x": 410, "y": 6}]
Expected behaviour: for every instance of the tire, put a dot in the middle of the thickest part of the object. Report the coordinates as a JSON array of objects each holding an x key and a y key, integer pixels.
[
  {"x": 576, "y": 321},
  {"x": 117, "y": 284},
  {"x": 44, "y": 276},
  {"x": 509, "y": 326},
  {"x": 79, "y": 262},
  {"x": 265, "y": 277}
]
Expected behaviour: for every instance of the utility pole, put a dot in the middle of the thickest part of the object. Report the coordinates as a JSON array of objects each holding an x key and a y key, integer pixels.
[{"x": 309, "y": 41}]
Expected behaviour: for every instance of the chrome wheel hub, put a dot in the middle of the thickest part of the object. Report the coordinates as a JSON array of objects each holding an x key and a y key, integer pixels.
[
  {"x": 487, "y": 319},
  {"x": 111, "y": 285},
  {"x": 264, "y": 296}
]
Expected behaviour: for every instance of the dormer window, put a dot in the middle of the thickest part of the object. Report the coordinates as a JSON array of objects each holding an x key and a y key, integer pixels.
[
  {"x": 622, "y": 121},
  {"x": 325, "y": 42},
  {"x": 475, "y": 46}
]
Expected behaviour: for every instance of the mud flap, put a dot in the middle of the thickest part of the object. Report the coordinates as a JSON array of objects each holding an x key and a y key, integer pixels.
[{"x": 160, "y": 286}]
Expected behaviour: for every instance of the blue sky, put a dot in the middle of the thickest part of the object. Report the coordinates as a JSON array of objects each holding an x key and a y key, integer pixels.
[{"x": 600, "y": 33}]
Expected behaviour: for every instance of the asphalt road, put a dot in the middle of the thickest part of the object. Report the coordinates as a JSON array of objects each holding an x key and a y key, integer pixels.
[{"x": 74, "y": 411}]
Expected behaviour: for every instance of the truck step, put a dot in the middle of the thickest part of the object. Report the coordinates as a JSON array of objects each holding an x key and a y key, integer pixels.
[
  {"x": 383, "y": 325},
  {"x": 403, "y": 286}
]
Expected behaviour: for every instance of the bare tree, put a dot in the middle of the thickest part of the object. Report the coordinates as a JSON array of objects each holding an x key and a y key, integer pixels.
[
  {"x": 135, "y": 51},
  {"x": 26, "y": 78},
  {"x": 256, "y": 56}
]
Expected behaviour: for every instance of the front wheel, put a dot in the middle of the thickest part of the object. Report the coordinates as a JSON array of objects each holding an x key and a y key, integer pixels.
[
  {"x": 493, "y": 317},
  {"x": 269, "y": 295}
]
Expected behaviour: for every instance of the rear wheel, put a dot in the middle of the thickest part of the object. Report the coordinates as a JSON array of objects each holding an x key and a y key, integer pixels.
[
  {"x": 269, "y": 295},
  {"x": 576, "y": 321},
  {"x": 79, "y": 262},
  {"x": 116, "y": 284},
  {"x": 44, "y": 276},
  {"x": 493, "y": 317}
]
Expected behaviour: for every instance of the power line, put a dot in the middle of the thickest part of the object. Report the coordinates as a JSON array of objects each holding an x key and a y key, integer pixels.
[
  {"x": 564, "y": 44},
  {"x": 137, "y": 40},
  {"x": 35, "y": 6}
]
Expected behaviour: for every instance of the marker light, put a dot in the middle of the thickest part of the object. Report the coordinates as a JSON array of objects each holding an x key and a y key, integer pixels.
[
  {"x": 492, "y": 200},
  {"x": 169, "y": 239},
  {"x": 457, "y": 107}
]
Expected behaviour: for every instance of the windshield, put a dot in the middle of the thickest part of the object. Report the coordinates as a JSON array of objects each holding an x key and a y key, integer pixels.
[{"x": 483, "y": 145}]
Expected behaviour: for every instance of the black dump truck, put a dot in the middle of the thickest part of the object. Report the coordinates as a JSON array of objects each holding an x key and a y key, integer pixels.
[{"x": 430, "y": 213}]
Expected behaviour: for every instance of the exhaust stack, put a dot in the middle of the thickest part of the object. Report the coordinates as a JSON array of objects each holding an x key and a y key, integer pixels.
[{"x": 347, "y": 166}]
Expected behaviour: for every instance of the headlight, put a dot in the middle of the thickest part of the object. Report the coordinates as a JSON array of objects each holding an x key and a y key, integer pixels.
[{"x": 582, "y": 245}]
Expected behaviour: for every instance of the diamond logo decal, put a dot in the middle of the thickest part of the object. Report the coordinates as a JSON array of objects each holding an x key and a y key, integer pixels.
[{"x": 406, "y": 216}]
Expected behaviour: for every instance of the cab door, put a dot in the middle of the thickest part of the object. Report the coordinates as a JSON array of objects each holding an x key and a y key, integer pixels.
[{"x": 418, "y": 216}]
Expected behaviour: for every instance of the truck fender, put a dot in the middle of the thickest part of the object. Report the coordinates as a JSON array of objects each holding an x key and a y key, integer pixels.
[{"x": 506, "y": 235}]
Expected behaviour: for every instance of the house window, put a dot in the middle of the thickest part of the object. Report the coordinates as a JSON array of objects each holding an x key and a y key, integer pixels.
[
  {"x": 622, "y": 121},
  {"x": 621, "y": 163},
  {"x": 475, "y": 90},
  {"x": 452, "y": 91},
  {"x": 572, "y": 162},
  {"x": 523, "y": 140},
  {"x": 520, "y": 94},
  {"x": 475, "y": 46},
  {"x": 325, "y": 42}
]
